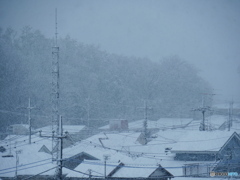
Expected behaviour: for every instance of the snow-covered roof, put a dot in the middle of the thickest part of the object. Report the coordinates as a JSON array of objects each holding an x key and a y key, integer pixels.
[
  {"x": 216, "y": 120},
  {"x": 111, "y": 145},
  {"x": 162, "y": 123},
  {"x": 96, "y": 168},
  {"x": 69, "y": 128},
  {"x": 131, "y": 169},
  {"x": 21, "y": 141},
  {"x": 173, "y": 123},
  {"x": 201, "y": 141},
  {"x": 124, "y": 146},
  {"x": 121, "y": 148},
  {"x": 212, "y": 122},
  {"x": 30, "y": 160},
  {"x": 135, "y": 171}
]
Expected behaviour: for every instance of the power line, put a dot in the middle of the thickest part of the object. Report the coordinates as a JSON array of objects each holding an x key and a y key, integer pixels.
[
  {"x": 149, "y": 166},
  {"x": 25, "y": 165},
  {"x": 39, "y": 174}
]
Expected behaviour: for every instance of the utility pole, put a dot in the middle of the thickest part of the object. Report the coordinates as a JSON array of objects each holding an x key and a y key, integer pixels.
[
  {"x": 106, "y": 157},
  {"x": 229, "y": 159},
  {"x": 203, "y": 109},
  {"x": 90, "y": 173},
  {"x": 29, "y": 119},
  {"x": 230, "y": 115},
  {"x": 29, "y": 107},
  {"x": 17, "y": 162},
  {"x": 58, "y": 137},
  {"x": 145, "y": 121},
  {"x": 88, "y": 111}
]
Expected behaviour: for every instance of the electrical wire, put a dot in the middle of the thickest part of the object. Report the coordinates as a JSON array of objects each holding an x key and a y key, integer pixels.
[
  {"x": 119, "y": 150},
  {"x": 39, "y": 173},
  {"x": 144, "y": 166},
  {"x": 21, "y": 169},
  {"x": 125, "y": 166},
  {"x": 27, "y": 164},
  {"x": 23, "y": 165},
  {"x": 22, "y": 114},
  {"x": 25, "y": 144},
  {"x": 83, "y": 173}
]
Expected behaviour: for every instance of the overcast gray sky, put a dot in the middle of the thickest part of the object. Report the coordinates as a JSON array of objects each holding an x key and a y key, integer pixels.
[{"x": 205, "y": 33}]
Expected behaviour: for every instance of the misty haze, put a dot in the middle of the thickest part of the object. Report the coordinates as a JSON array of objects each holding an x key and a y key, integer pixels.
[{"x": 119, "y": 89}]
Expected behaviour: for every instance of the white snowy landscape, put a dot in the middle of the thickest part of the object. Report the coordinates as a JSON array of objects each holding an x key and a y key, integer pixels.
[
  {"x": 125, "y": 152},
  {"x": 119, "y": 89}
]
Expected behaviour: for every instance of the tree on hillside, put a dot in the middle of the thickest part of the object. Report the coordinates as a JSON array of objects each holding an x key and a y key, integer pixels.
[
  {"x": 181, "y": 86},
  {"x": 94, "y": 84}
]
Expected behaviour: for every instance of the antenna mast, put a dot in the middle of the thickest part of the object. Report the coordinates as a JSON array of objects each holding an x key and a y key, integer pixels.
[
  {"x": 55, "y": 94},
  {"x": 56, "y": 33}
]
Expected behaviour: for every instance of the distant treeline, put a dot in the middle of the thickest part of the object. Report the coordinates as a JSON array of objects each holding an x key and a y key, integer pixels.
[{"x": 94, "y": 84}]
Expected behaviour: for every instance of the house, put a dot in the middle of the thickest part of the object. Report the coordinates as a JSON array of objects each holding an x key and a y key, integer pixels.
[
  {"x": 18, "y": 157},
  {"x": 209, "y": 154},
  {"x": 93, "y": 148},
  {"x": 174, "y": 152},
  {"x": 181, "y": 150},
  {"x": 118, "y": 170},
  {"x": 129, "y": 172},
  {"x": 121, "y": 159},
  {"x": 92, "y": 169},
  {"x": 229, "y": 155}
]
